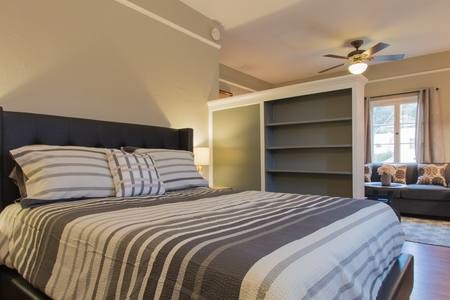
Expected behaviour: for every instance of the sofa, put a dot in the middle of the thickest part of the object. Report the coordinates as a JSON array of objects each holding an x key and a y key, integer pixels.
[{"x": 417, "y": 199}]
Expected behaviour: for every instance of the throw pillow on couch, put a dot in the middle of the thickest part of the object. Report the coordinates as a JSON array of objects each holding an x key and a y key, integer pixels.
[
  {"x": 400, "y": 173},
  {"x": 432, "y": 174}
]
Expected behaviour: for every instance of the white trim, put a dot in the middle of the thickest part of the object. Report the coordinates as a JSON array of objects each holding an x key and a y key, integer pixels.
[
  {"x": 164, "y": 21},
  {"x": 410, "y": 75},
  {"x": 262, "y": 144},
  {"x": 358, "y": 141},
  {"x": 299, "y": 89},
  {"x": 237, "y": 85},
  {"x": 210, "y": 145}
]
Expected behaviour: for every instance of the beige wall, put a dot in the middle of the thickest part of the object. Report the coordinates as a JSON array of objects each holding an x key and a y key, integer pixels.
[
  {"x": 100, "y": 59},
  {"x": 414, "y": 67}
]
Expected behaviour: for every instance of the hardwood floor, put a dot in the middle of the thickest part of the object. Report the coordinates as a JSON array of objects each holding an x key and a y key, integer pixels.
[{"x": 431, "y": 271}]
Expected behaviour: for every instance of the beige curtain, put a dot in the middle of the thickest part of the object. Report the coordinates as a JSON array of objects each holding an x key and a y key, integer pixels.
[
  {"x": 430, "y": 139},
  {"x": 368, "y": 134}
]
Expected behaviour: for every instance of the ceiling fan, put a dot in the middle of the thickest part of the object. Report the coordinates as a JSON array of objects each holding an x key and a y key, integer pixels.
[{"x": 359, "y": 58}]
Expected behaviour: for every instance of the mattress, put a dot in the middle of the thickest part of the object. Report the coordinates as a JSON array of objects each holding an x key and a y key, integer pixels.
[{"x": 203, "y": 244}]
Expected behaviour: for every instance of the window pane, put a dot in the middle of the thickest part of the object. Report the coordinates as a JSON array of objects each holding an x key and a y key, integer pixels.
[
  {"x": 383, "y": 153},
  {"x": 383, "y": 115},
  {"x": 408, "y": 113},
  {"x": 394, "y": 130},
  {"x": 383, "y": 135},
  {"x": 407, "y": 153},
  {"x": 408, "y": 133}
]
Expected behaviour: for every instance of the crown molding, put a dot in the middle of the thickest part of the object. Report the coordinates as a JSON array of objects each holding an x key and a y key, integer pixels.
[
  {"x": 237, "y": 85},
  {"x": 299, "y": 89},
  {"x": 410, "y": 75},
  {"x": 166, "y": 22}
]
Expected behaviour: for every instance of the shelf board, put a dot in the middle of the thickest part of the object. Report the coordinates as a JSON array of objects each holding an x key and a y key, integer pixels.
[
  {"x": 308, "y": 122},
  {"x": 308, "y": 172},
  {"x": 308, "y": 147}
]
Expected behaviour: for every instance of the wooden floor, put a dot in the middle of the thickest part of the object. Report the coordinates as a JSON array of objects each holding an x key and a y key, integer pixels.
[{"x": 431, "y": 271}]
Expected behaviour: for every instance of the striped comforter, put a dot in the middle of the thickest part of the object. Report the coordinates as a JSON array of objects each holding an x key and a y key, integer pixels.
[{"x": 204, "y": 244}]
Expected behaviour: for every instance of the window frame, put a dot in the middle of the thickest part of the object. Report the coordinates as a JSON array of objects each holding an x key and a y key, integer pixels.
[{"x": 396, "y": 101}]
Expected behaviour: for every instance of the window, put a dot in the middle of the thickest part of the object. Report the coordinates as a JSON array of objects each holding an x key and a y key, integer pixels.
[{"x": 393, "y": 129}]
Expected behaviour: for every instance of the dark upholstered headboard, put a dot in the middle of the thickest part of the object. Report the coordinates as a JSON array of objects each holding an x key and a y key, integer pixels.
[{"x": 19, "y": 129}]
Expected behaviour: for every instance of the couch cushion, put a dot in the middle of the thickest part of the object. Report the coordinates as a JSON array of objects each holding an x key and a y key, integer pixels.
[
  {"x": 411, "y": 172},
  {"x": 375, "y": 176},
  {"x": 447, "y": 176},
  {"x": 425, "y": 192},
  {"x": 367, "y": 172}
]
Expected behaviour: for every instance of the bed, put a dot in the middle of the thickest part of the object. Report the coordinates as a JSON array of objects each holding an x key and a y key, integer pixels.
[{"x": 198, "y": 243}]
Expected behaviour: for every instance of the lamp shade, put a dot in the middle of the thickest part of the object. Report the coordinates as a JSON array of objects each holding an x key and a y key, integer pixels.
[
  {"x": 201, "y": 156},
  {"x": 357, "y": 68}
]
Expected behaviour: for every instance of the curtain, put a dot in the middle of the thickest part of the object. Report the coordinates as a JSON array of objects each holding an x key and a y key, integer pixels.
[
  {"x": 368, "y": 134},
  {"x": 429, "y": 140}
]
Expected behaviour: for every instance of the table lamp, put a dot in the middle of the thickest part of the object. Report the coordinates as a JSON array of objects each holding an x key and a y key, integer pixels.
[{"x": 201, "y": 157}]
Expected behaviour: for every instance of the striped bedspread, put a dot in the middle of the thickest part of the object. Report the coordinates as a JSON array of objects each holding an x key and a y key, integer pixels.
[{"x": 203, "y": 244}]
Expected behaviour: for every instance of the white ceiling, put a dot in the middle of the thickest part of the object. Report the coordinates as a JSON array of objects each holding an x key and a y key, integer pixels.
[{"x": 283, "y": 40}]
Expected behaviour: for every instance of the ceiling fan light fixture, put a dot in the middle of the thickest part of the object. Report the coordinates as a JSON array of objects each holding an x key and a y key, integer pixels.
[
  {"x": 358, "y": 58},
  {"x": 357, "y": 68}
]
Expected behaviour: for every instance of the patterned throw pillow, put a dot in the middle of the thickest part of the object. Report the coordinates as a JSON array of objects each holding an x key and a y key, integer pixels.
[
  {"x": 134, "y": 174},
  {"x": 367, "y": 172},
  {"x": 400, "y": 173},
  {"x": 432, "y": 174},
  {"x": 176, "y": 168}
]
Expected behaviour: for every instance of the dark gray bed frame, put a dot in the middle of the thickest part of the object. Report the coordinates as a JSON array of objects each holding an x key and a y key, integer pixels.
[{"x": 19, "y": 129}]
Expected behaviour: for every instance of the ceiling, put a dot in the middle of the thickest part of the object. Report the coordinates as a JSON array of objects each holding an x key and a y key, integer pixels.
[{"x": 284, "y": 40}]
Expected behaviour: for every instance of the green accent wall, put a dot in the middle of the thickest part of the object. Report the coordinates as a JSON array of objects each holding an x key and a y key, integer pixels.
[{"x": 236, "y": 148}]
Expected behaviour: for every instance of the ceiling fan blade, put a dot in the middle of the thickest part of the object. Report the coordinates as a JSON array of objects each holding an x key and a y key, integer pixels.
[
  {"x": 388, "y": 57},
  {"x": 331, "y": 68},
  {"x": 336, "y": 56},
  {"x": 377, "y": 48}
]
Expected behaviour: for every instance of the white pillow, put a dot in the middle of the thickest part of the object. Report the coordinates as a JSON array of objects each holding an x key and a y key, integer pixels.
[{"x": 63, "y": 172}]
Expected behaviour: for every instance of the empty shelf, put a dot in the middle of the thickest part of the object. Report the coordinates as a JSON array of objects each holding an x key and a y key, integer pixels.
[
  {"x": 308, "y": 147},
  {"x": 309, "y": 172}
]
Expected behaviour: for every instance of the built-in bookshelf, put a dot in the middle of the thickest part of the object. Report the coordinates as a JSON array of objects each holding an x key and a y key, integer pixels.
[
  {"x": 308, "y": 144},
  {"x": 305, "y": 138}
]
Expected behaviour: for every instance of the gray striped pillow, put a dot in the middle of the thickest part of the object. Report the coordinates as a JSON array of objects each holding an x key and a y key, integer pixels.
[
  {"x": 134, "y": 174},
  {"x": 176, "y": 168},
  {"x": 63, "y": 172}
]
